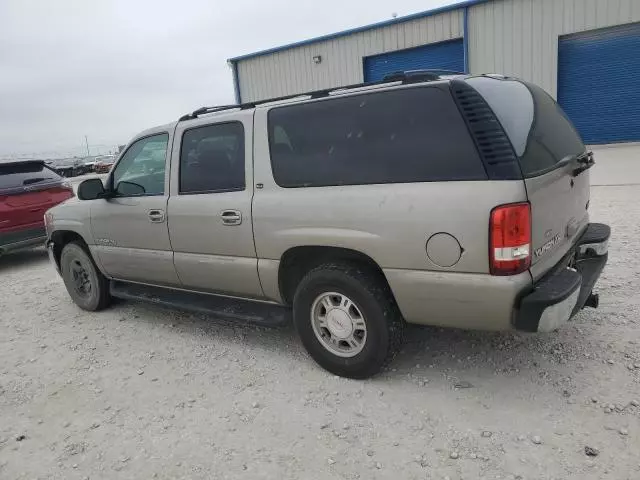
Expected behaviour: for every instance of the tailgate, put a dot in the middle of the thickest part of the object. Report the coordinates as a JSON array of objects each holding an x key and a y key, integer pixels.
[
  {"x": 553, "y": 161},
  {"x": 559, "y": 203},
  {"x": 555, "y": 167}
]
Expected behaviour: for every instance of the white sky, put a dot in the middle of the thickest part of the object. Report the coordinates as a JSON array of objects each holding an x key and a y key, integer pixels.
[{"x": 110, "y": 68}]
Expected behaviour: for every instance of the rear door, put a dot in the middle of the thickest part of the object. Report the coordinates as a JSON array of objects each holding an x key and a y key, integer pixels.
[
  {"x": 550, "y": 153},
  {"x": 27, "y": 191},
  {"x": 209, "y": 209}
]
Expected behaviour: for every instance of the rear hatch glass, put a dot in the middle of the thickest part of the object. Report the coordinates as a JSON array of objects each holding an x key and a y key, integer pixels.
[
  {"x": 549, "y": 150},
  {"x": 17, "y": 177}
]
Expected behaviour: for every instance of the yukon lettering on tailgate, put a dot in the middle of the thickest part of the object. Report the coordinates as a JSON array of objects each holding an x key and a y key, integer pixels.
[{"x": 539, "y": 252}]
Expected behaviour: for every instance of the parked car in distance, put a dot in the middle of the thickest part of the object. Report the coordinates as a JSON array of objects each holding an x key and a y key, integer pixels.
[
  {"x": 104, "y": 163},
  {"x": 66, "y": 167},
  {"x": 27, "y": 190},
  {"x": 89, "y": 164},
  {"x": 449, "y": 200}
]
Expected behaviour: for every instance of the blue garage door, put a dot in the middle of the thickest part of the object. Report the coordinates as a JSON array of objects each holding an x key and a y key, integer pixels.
[
  {"x": 438, "y": 56},
  {"x": 599, "y": 83}
]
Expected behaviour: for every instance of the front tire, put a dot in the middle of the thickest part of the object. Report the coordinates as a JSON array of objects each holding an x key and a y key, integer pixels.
[
  {"x": 88, "y": 288},
  {"x": 347, "y": 319}
]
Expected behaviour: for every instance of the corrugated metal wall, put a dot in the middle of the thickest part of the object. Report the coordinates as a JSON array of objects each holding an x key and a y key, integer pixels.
[
  {"x": 447, "y": 55},
  {"x": 520, "y": 37},
  {"x": 293, "y": 71},
  {"x": 514, "y": 37},
  {"x": 604, "y": 105}
]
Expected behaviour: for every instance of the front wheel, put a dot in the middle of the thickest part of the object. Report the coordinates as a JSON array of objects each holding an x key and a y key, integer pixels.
[
  {"x": 88, "y": 288},
  {"x": 347, "y": 319}
]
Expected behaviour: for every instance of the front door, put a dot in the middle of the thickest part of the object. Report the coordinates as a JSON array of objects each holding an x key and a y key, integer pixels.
[
  {"x": 209, "y": 209},
  {"x": 130, "y": 229}
]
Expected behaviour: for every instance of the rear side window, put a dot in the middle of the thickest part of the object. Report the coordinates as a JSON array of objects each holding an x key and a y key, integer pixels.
[
  {"x": 26, "y": 174},
  {"x": 540, "y": 132},
  {"x": 398, "y": 136},
  {"x": 212, "y": 159}
]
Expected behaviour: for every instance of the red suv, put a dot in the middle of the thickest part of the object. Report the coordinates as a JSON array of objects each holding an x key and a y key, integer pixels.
[{"x": 27, "y": 190}]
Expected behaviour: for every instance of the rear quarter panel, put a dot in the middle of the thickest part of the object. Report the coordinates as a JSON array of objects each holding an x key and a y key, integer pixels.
[{"x": 391, "y": 223}]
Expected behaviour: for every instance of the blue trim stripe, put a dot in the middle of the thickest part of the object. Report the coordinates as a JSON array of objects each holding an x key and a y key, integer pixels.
[{"x": 464, "y": 4}]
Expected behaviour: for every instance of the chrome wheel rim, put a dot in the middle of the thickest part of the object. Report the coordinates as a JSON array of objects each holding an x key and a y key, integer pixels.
[
  {"x": 338, "y": 324},
  {"x": 80, "y": 278}
]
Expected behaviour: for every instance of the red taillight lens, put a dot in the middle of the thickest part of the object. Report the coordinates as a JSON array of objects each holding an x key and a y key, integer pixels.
[{"x": 510, "y": 239}]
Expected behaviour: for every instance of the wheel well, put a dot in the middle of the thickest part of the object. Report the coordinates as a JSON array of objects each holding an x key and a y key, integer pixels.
[
  {"x": 298, "y": 261},
  {"x": 61, "y": 238}
]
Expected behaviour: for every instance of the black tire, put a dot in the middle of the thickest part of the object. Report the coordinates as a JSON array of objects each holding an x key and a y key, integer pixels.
[
  {"x": 74, "y": 256},
  {"x": 368, "y": 289}
]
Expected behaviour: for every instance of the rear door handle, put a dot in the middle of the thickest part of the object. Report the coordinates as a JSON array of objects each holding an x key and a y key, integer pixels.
[
  {"x": 231, "y": 217},
  {"x": 156, "y": 216}
]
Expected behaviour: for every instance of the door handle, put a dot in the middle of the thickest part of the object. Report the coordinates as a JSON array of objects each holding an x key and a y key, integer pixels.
[
  {"x": 156, "y": 216},
  {"x": 231, "y": 217}
]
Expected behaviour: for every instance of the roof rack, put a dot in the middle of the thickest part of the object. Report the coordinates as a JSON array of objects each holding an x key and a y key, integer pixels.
[
  {"x": 415, "y": 76},
  {"x": 406, "y": 77}
]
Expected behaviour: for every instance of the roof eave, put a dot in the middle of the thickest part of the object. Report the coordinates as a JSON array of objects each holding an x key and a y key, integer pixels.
[{"x": 344, "y": 33}]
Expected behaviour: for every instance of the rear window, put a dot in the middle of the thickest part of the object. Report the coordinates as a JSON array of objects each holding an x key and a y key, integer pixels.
[
  {"x": 397, "y": 136},
  {"x": 25, "y": 174},
  {"x": 539, "y": 130}
]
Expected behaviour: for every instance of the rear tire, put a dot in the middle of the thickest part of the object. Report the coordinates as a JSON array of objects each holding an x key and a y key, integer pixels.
[
  {"x": 88, "y": 288},
  {"x": 347, "y": 319}
]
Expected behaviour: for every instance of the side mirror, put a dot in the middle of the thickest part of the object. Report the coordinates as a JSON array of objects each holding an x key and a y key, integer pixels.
[{"x": 91, "y": 189}]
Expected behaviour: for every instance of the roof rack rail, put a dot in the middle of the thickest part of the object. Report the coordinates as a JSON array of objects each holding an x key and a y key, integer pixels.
[
  {"x": 415, "y": 76},
  {"x": 203, "y": 110},
  {"x": 410, "y": 76}
]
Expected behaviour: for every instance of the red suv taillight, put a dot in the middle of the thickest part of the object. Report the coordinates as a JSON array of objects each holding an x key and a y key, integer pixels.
[{"x": 510, "y": 239}]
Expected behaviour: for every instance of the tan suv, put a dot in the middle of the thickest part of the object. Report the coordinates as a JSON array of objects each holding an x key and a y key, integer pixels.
[{"x": 459, "y": 201}]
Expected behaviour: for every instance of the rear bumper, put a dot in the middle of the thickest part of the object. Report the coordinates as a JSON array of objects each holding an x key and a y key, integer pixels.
[{"x": 564, "y": 291}]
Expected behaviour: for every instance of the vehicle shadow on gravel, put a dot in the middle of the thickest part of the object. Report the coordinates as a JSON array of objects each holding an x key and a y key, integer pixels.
[
  {"x": 459, "y": 357},
  {"x": 22, "y": 258}
]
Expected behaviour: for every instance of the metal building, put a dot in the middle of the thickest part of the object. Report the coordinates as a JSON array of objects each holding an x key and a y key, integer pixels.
[{"x": 586, "y": 53}]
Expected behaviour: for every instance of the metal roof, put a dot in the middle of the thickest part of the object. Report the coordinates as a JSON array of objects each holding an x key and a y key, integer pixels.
[{"x": 344, "y": 33}]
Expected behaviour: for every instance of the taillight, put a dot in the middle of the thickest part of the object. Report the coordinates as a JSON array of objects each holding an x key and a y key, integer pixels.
[{"x": 510, "y": 239}]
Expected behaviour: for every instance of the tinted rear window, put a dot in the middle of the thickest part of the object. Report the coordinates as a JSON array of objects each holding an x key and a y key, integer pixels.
[
  {"x": 539, "y": 130},
  {"x": 552, "y": 136},
  {"x": 25, "y": 174},
  {"x": 212, "y": 159},
  {"x": 397, "y": 136}
]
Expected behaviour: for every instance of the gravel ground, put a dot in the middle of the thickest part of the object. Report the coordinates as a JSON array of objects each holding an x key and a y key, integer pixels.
[{"x": 141, "y": 392}]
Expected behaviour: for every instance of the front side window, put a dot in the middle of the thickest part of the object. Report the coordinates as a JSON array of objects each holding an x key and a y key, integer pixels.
[
  {"x": 141, "y": 171},
  {"x": 212, "y": 159},
  {"x": 398, "y": 136}
]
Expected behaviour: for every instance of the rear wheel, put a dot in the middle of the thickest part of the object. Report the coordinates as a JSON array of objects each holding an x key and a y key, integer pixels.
[
  {"x": 347, "y": 319},
  {"x": 86, "y": 285}
]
